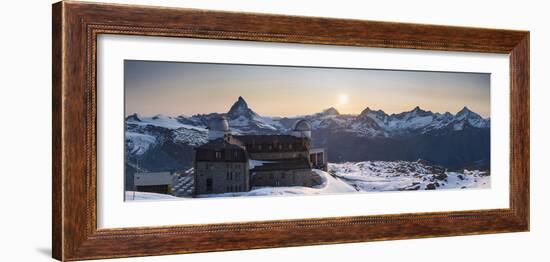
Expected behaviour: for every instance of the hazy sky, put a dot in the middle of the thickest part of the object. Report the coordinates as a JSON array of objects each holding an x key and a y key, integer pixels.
[{"x": 189, "y": 88}]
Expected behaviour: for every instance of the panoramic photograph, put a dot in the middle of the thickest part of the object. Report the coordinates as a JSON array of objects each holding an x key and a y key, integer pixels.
[{"x": 204, "y": 130}]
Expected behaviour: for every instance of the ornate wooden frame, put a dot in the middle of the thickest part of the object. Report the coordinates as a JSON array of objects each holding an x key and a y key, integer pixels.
[{"x": 76, "y": 26}]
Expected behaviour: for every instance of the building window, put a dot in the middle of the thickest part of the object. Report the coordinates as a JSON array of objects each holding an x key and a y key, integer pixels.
[
  {"x": 209, "y": 184},
  {"x": 260, "y": 147},
  {"x": 280, "y": 147},
  {"x": 218, "y": 155},
  {"x": 236, "y": 154},
  {"x": 227, "y": 176}
]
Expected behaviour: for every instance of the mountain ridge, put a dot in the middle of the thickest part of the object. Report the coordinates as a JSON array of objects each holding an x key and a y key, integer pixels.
[{"x": 370, "y": 135}]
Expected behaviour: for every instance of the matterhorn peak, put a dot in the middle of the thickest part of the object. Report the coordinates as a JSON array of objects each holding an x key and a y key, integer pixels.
[
  {"x": 241, "y": 102},
  {"x": 239, "y": 108}
]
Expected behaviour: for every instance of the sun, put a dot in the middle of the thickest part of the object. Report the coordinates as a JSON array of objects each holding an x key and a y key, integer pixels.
[{"x": 343, "y": 99}]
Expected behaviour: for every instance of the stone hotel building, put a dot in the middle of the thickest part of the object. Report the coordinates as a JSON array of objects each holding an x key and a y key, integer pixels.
[{"x": 236, "y": 163}]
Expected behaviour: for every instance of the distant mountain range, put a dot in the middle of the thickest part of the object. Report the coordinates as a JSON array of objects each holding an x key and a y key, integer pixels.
[{"x": 454, "y": 141}]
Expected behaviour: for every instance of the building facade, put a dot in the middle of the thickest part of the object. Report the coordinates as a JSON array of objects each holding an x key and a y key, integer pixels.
[
  {"x": 221, "y": 167},
  {"x": 236, "y": 163},
  {"x": 318, "y": 158},
  {"x": 153, "y": 182}
]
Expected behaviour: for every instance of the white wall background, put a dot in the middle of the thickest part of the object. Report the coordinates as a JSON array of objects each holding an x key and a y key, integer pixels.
[{"x": 25, "y": 147}]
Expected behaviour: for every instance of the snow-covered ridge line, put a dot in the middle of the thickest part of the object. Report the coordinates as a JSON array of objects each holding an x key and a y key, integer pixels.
[
  {"x": 369, "y": 122},
  {"x": 160, "y": 141},
  {"x": 161, "y": 121}
]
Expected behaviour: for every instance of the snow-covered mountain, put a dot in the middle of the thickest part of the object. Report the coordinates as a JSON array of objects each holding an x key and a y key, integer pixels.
[
  {"x": 245, "y": 121},
  {"x": 145, "y": 131},
  {"x": 452, "y": 140},
  {"x": 417, "y": 121},
  {"x": 370, "y": 123}
]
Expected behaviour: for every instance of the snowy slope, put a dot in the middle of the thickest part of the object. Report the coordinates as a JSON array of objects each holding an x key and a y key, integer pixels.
[
  {"x": 142, "y": 132},
  {"x": 376, "y": 176},
  {"x": 138, "y": 143},
  {"x": 368, "y": 176},
  {"x": 330, "y": 185},
  {"x": 191, "y": 137}
]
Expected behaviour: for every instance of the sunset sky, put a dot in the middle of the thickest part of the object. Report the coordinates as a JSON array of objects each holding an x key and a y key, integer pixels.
[{"x": 190, "y": 88}]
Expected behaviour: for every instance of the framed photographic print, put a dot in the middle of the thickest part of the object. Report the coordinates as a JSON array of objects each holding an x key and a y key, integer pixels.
[{"x": 182, "y": 130}]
